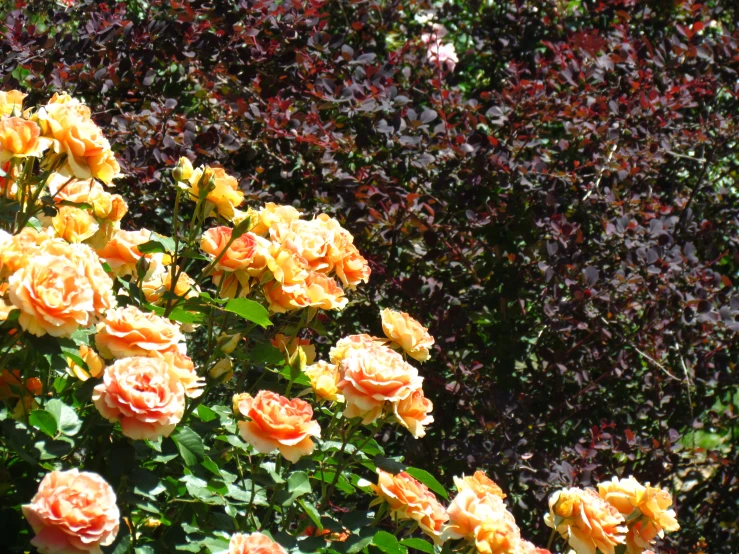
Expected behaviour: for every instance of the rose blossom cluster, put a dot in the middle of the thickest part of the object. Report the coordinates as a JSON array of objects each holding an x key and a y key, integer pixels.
[
  {"x": 477, "y": 515},
  {"x": 372, "y": 378},
  {"x": 621, "y": 512},
  {"x": 296, "y": 261}
]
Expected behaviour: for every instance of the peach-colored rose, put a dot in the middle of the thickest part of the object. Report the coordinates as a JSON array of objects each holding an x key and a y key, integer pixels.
[
  {"x": 121, "y": 252},
  {"x": 225, "y": 194},
  {"x": 256, "y": 543},
  {"x": 20, "y": 138},
  {"x": 414, "y": 412},
  {"x": 654, "y": 515},
  {"x": 276, "y": 423},
  {"x": 498, "y": 534},
  {"x": 467, "y": 511},
  {"x": 287, "y": 268},
  {"x": 238, "y": 256},
  {"x": 586, "y": 520},
  {"x": 525, "y": 547},
  {"x": 99, "y": 281},
  {"x": 93, "y": 361},
  {"x": 290, "y": 345},
  {"x": 10, "y": 101},
  {"x": 182, "y": 367},
  {"x": 307, "y": 240},
  {"x": 283, "y": 298},
  {"x": 53, "y": 295},
  {"x": 68, "y": 123},
  {"x": 348, "y": 344},
  {"x": 271, "y": 214},
  {"x": 408, "y": 333},
  {"x": 324, "y": 293},
  {"x": 407, "y": 498},
  {"x": 370, "y": 378},
  {"x": 73, "y": 512},
  {"x": 73, "y": 224},
  {"x": 352, "y": 268},
  {"x": 111, "y": 207},
  {"x": 324, "y": 380},
  {"x": 144, "y": 394},
  {"x": 480, "y": 483},
  {"x": 130, "y": 332},
  {"x": 20, "y": 249}
]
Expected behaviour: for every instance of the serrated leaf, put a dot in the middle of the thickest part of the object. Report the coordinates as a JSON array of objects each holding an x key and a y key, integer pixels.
[
  {"x": 67, "y": 421},
  {"x": 418, "y": 544},
  {"x": 249, "y": 310},
  {"x": 427, "y": 479},
  {"x": 190, "y": 445}
]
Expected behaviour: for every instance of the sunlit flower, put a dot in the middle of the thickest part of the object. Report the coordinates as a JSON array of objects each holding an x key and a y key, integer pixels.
[
  {"x": 223, "y": 189},
  {"x": 467, "y": 511},
  {"x": 291, "y": 344},
  {"x": 95, "y": 364},
  {"x": 414, "y": 413},
  {"x": 480, "y": 484},
  {"x": 20, "y": 138},
  {"x": 498, "y": 534},
  {"x": 73, "y": 512},
  {"x": 11, "y": 101},
  {"x": 256, "y": 543},
  {"x": 408, "y": 333},
  {"x": 324, "y": 380},
  {"x": 73, "y": 224},
  {"x": 130, "y": 332},
  {"x": 239, "y": 254}
]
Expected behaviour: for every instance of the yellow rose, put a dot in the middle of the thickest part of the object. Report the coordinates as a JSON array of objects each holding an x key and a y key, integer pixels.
[
  {"x": 344, "y": 347},
  {"x": 225, "y": 194},
  {"x": 324, "y": 378},
  {"x": 408, "y": 333},
  {"x": 271, "y": 214},
  {"x": 18, "y": 251},
  {"x": 480, "y": 484},
  {"x": 183, "y": 170},
  {"x": 95, "y": 364},
  {"x": 498, "y": 534},
  {"x": 407, "y": 498},
  {"x": 586, "y": 520},
  {"x": 183, "y": 369},
  {"x": 20, "y": 138},
  {"x": 283, "y": 298},
  {"x": 287, "y": 268},
  {"x": 10, "y": 101},
  {"x": 232, "y": 284},
  {"x": 324, "y": 293},
  {"x": 73, "y": 224},
  {"x": 291, "y": 344},
  {"x": 222, "y": 371},
  {"x": 68, "y": 123},
  {"x": 351, "y": 267},
  {"x": 305, "y": 239},
  {"x": 121, "y": 252}
]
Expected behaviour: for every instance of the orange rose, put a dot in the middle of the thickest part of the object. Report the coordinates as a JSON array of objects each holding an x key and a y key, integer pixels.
[
  {"x": 287, "y": 268},
  {"x": 352, "y": 268},
  {"x": 143, "y": 394},
  {"x": 525, "y": 547},
  {"x": 93, "y": 361},
  {"x": 183, "y": 369},
  {"x": 271, "y": 214},
  {"x": 290, "y": 345},
  {"x": 414, "y": 412},
  {"x": 498, "y": 534},
  {"x": 238, "y": 256},
  {"x": 324, "y": 380},
  {"x": 282, "y": 298},
  {"x": 73, "y": 512},
  {"x": 68, "y": 123},
  {"x": 586, "y": 520},
  {"x": 224, "y": 195},
  {"x": 467, "y": 511},
  {"x": 306, "y": 240},
  {"x": 407, "y": 498},
  {"x": 276, "y": 423},
  {"x": 256, "y": 543},
  {"x": 408, "y": 333},
  {"x": 10, "y": 101},
  {"x": 53, "y": 295},
  {"x": 130, "y": 332},
  {"x": 654, "y": 515},
  {"x": 370, "y": 378},
  {"x": 121, "y": 253},
  {"x": 104, "y": 205},
  {"x": 20, "y": 138},
  {"x": 324, "y": 293},
  {"x": 480, "y": 483}
]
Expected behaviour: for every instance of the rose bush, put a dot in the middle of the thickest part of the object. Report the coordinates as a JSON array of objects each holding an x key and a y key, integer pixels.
[{"x": 173, "y": 366}]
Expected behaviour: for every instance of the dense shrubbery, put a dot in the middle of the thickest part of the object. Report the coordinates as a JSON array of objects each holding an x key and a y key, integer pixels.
[{"x": 560, "y": 207}]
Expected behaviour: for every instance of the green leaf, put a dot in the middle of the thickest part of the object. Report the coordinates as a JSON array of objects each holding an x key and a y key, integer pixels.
[
  {"x": 418, "y": 544},
  {"x": 206, "y": 414},
  {"x": 427, "y": 479},
  {"x": 43, "y": 421},
  {"x": 157, "y": 244},
  {"x": 249, "y": 310},
  {"x": 190, "y": 445},
  {"x": 183, "y": 316},
  {"x": 388, "y": 543},
  {"x": 310, "y": 509},
  {"x": 67, "y": 421},
  {"x": 298, "y": 484}
]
